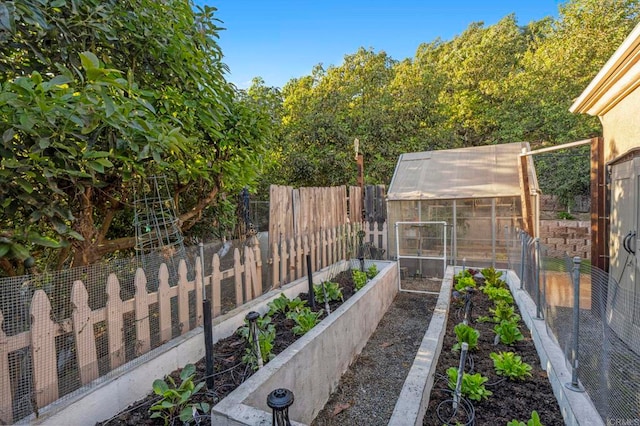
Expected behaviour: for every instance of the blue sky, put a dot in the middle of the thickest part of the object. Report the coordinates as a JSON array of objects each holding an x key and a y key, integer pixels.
[{"x": 281, "y": 39}]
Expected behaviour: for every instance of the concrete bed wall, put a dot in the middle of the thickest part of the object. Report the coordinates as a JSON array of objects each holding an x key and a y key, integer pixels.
[
  {"x": 109, "y": 395},
  {"x": 312, "y": 366}
]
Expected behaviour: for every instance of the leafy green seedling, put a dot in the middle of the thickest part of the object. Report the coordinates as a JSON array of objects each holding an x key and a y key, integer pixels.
[
  {"x": 510, "y": 365},
  {"x": 533, "y": 421},
  {"x": 175, "y": 399},
  {"x": 305, "y": 320},
  {"x": 508, "y": 332},
  {"x": 372, "y": 271},
  {"x": 359, "y": 279},
  {"x": 466, "y": 334},
  {"x": 333, "y": 290},
  {"x": 465, "y": 282},
  {"x": 472, "y": 384},
  {"x": 278, "y": 305},
  {"x": 498, "y": 295},
  {"x": 504, "y": 312}
]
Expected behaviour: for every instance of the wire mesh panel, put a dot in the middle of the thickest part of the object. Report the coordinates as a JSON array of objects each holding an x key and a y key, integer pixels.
[
  {"x": 607, "y": 365},
  {"x": 421, "y": 249}
]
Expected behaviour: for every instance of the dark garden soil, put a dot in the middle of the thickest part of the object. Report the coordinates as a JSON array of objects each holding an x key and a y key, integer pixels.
[
  {"x": 229, "y": 369},
  {"x": 511, "y": 399}
]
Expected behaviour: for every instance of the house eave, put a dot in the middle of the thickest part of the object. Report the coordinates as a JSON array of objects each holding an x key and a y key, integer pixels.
[{"x": 617, "y": 78}]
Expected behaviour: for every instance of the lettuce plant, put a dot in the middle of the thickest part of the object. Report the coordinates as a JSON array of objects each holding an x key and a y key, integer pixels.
[
  {"x": 508, "y": 332},
  {"x": 466, "y": 334},
  {"x": 305, "y": 320},
  {"x": 510, "y": 365},
  {"x": 333, "y": 290},
  {"x": 175, "y": 398},
  {"x": 372, "y": 271},
  {"x": 472, "y": 384},
  {"x": 359, "y": 278},
  {"x": 533, "y": 421}
]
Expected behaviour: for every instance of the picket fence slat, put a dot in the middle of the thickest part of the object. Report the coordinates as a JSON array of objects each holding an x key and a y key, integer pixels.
[
  {"x": 83, "y": 333},
  {"x": 43, "y": 350},
  {"x": 6, "y": 404}
]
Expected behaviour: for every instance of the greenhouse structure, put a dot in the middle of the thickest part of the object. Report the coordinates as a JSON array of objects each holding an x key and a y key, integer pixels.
[{"x": 457, "y": 206}]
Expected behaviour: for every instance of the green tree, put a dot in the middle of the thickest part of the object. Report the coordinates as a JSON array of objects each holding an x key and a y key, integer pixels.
[{"x": 96, "y": 96}]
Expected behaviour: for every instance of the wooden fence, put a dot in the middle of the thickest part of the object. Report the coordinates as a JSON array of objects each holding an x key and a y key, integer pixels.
[
  {"x": 306, "y": 211},
  {"x": 288, "y": 263}
]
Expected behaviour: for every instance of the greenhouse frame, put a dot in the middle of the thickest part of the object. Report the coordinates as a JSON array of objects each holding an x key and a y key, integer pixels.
[{"x": 456, "y": 206}]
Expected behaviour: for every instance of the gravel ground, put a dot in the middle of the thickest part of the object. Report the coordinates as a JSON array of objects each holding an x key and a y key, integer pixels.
[{"x": 368, "y": 391}]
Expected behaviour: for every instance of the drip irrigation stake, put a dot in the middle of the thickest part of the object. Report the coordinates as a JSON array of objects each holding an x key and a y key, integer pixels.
[
  {"x": 208, "y": 326},
  {"x": 463, "y": 359},
  {"x": 252, "y": 317}
]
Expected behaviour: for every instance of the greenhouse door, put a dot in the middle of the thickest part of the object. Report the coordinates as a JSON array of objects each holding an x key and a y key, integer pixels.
[{"x": 421, "y": 249}]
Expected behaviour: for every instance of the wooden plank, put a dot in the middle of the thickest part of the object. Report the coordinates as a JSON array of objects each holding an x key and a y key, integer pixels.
[
  {"x": 6, "y": 405},
  {"x": 164, "y": 304},
  {"x": 237, "y": 275},
  {"x": 525, "y": 195},
  {"x": 216, "y": 291},
  {"x": 299, "y": 257},
  {"x": 198, "y": 286},
  {"x": 43, "y": 350},
  {"x": 318, "y": 253},
  {"x": 115, "y": 323},
  {"x": 257, "y": 255},
  {"x": 143, "y": 330},
  {"x": 284, "y": 257},
  {"x": 86, "y": 353},
  {"x": 292, "y": 259},
  {"x": 183, "y": 297},
  {"x": 251, "y": 277},
  {"x": 275, "y": 266},
  {"x": 305, "y": 252},
  {"x": 323, "y": 247},
  {"x": 312, "y": 252}
]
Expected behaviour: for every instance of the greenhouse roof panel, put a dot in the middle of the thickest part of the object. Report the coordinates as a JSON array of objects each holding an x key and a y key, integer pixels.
[{"x": 476, "y": 172}]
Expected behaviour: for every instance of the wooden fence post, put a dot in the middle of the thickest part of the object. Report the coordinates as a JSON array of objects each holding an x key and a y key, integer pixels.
[
  {"x": 237, "y": 275},
  {"x": 299, "y": 256},
  {"x": 141, "y": 302},
  {"x": 292, "y": 259},
  {"x": 115, "y": 323},
  {"x": 183, "y": 297},
  {"x": 198, "y": 291},
  {"x": 43, "y": 350},
  {"x": 6, "y": 405},
  {"x": 284, "y": 257},
  {"x": 275, "y": 266},
  {"x": 86, "y": 352},
  {"x": 216, "y": 292},
  {"x": 164, "y": 304},
  {"x": 258, "y": 258},
  {"x": 312, "y": 251}
]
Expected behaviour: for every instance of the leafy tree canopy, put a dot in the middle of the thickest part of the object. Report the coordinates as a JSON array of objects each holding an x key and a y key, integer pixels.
[{"x": 96, "y": 95}]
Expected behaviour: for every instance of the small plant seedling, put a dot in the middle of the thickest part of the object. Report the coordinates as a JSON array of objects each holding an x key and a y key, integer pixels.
[
  {"x": 466, "y": 334},
  {"x": 504, "y": 312},
  {"x": 462, "y": 274},
  {"x": 372, "y": 271},
  {"x": 491, "y": 276},
  {"x": 510, "y": 365},
  {"x": 533, "y": 421},
  {"x": 333, "y": 290},
  {"x": 359, "y": 278},
  {"x": 305, "y": 320},
  {"x": 509, "y": 332},
  {"x": 175, "y": 399},
  {"x": 266, "y": 338},
  {"x": 465, "y": 282},
  {"x": 472, "y": 384},
  {"x": 498, "y": 295},
  {"x": 278, "y": 305}
]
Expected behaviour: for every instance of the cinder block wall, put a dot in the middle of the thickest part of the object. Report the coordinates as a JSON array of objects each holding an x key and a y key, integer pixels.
[{"x": 571, "y": 236}]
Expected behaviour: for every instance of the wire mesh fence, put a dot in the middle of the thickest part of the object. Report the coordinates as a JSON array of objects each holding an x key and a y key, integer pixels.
[
  {"x": 50, "y": 304},
  {"x": 600, "y": 339}
]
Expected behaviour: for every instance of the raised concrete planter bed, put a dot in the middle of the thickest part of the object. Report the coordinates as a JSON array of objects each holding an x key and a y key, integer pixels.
[
  {"x": 576, "y": 408},
  {"x": 111, "y": 394},
  {"x": 312, "y": 366}
]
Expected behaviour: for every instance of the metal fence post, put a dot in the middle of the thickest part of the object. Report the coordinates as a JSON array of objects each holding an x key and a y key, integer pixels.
[
  {"x": 574, "y": 385},
  {"x": 522, "y": 257},
  {"x": 538, "y": 261}
]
